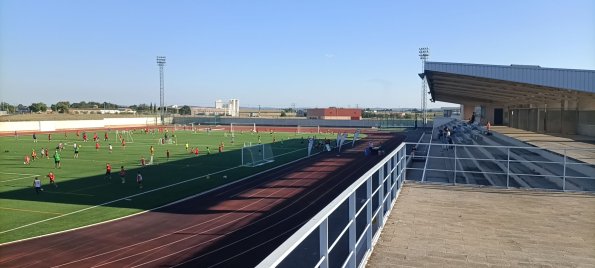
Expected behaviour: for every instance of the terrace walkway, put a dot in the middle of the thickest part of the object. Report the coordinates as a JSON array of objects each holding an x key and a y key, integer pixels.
[
  {"x": 462, "y": 226},
  {"x": 560, "y": 142}
]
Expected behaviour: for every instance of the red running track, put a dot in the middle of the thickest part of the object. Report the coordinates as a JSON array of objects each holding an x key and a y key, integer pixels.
[{"x": 235, "y": 226}]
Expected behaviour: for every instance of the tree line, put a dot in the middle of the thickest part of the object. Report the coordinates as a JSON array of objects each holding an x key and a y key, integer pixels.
[{"x": 65, "y": 106}]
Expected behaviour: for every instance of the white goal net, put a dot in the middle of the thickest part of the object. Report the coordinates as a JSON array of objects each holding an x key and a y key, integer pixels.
[
  {"x": 257, "y": 155},
  {"x": 241, "y": 127},
  {"x": 125, "y": 134}
]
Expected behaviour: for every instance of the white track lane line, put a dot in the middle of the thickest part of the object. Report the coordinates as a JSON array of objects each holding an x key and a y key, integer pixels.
[
  {"x": 165, "y": 235},
  {"x": 320, "y": 196},
  {"x": 213, "y": 228},
  {"x": 277, "y": 223}
]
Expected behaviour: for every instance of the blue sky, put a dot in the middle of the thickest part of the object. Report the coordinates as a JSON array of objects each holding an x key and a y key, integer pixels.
[{"x": 273, "y": 53}]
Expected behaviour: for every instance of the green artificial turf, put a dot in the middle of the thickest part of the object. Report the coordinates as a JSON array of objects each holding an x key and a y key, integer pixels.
[{"x": 84, "y": 196}]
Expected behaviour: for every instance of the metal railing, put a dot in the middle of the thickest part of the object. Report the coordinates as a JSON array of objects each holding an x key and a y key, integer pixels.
[
  {"x": 344, "y": 232},
  {"x": 507, "y": 166}
]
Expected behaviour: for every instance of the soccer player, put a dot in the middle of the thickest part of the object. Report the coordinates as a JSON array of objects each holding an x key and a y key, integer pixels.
[
  {"x": 76, "y": 151},
  {"x": 142, "y": 161},
  {"x": 122, "y": 174},
  {"x": 57, "y": 160},
  {"x": 186, "y": 146},
  {"x": 108, "y": 171},
  {"x": 33, "y": 154},
  {"x": 110, "y": 148},
  {"x": 47, "y": 153},
  {"x": 95, "y": 138},
  {"x": 105, "y": 137},
  {"x": 52, "y": 179},
  {"x": 152, "y": 150},
  {"x": 85, "y": 136},
  {"x": 49, "y": 137},
  {"x": 196, "y": 151},
  {"x": 167, "y": 154},
  {"x": 123, "y": 144},
  {"x": 37, "y": 185},
  {"x": 27, "y": 160},
  {"x": 139, "y": 180},
  {"x": 96, "y": 146},
  {"x": 208, "y": 150},
  {"x": 34, "y": 137}
]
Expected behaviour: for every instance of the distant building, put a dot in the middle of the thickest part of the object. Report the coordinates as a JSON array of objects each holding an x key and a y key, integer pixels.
[
  {"x": 232, "y": 108},
  {"x": 219, "y": 104},
  {"x": 206, "y": 111},
  {"x": 334, "y": 113}
]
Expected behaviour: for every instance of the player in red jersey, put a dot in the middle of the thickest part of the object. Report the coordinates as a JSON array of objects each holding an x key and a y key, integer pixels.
[
  {"x": 52, "y": 179},
  {"x": 108, "y": 171}
]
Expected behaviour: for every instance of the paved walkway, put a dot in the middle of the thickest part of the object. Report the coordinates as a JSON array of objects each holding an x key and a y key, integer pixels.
[
  {"x": 457, "y": 226},
  {"x": 574, "y": 143}
]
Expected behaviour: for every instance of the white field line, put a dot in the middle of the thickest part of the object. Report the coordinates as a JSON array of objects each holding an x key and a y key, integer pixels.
[
  {"x": 139, "y": 194},
  {"x": 10, "y": 173},
  {"x": 27, "y": 210},
  {"x": 27, "y": 177}
]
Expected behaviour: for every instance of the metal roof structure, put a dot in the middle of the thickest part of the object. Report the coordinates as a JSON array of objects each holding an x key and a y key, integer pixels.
[{"x": 514, "y": 84}]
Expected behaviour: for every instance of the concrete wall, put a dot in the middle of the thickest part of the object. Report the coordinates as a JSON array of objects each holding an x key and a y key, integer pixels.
[
  {"x": 42, "y": 126},
  {"x": 565, "y": 117},
  {"x": 295, "y": 122},
  {"x": 467, "y": 110},
  {"x": 586, "y": 116}
]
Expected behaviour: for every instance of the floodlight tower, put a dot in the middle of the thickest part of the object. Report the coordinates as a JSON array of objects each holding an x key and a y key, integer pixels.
[
  {"x": 161, "y": 63},
  {"x": 424, "y": 53}
]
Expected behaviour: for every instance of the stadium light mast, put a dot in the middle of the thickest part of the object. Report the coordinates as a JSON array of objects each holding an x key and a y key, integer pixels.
[
  {"x": 161, "y": 63},
  {"x": 424, "y": 53}
]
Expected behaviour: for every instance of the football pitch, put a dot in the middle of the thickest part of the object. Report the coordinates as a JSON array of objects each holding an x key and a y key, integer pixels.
[{"x": 85, "y": 196}]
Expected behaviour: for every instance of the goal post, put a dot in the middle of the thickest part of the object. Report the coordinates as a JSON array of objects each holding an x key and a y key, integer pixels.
[
  {"x": 234, "y": 127},
  {"x": 308, "y": 129},
  {"x": 126, "y": 135},
  {"x": 257, "y": 155}
]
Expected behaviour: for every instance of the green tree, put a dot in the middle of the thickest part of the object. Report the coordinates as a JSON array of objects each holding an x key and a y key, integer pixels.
[
  {"x": 38, "y": 107},
  {"x": 7, "y": 107},
  {"x": 61, "y": 107},
  {"x": 283, "y": 114},
  {"x": 185, "y": 110}
]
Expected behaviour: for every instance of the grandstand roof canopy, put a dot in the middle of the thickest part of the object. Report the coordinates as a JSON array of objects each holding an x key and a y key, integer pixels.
[{"x": 514, "y": 84}]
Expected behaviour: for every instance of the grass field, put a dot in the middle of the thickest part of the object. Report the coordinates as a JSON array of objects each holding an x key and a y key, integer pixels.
[{"x": 85, "y": 196}]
